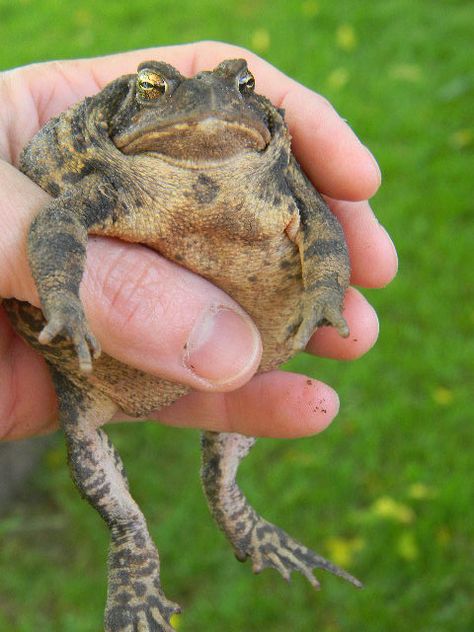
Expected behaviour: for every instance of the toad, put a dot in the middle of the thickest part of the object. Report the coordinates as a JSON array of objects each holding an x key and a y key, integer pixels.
[{"x": 199, "y": 169}]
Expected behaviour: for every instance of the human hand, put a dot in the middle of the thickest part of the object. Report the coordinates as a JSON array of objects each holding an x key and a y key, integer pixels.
[{"x": 142, "y": 307}]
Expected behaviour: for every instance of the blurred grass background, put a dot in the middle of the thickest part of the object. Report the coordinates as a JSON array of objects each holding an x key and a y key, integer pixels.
[{"x": 387, "y": 490}]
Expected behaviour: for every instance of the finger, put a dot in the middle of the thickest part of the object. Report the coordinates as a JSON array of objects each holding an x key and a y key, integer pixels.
[
  {"x": 327, "y": 148},
  {"x": 275, "y": 404},
  {"x": 372, "y": 253},
  {"x": 27, "y": 398},
  {"x": 363, "y": 326},
  {"x": 21, "y": 200}
]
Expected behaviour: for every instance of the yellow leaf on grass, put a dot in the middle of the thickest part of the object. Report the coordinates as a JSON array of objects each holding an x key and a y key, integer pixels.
[
  {"x": 310, "y": 8},
  {"x": 342, "y": 550},
  {"x": 462, "y": 138},
  {"x": 346, "y": 37},
  {"x": 338, "y": 78},
  {"x": 443, "y": 396},
  {"x": 386, "y": 507},
  {"x": 175, "y": 622},
  {"x": 420, "y": 491},
  {"x": 407, "y": 546},
  {"x": 260, "y": 40},
  {"x": 83, "y": 17}
]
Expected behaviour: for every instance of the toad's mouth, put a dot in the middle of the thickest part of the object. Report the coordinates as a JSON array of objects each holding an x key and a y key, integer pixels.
[{"x": 209, "y": 138}]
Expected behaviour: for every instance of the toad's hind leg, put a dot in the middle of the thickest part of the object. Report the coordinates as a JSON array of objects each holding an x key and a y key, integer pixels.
[
  {"x": 249, "y": 534},
  {"x": 135, "y": 600}
]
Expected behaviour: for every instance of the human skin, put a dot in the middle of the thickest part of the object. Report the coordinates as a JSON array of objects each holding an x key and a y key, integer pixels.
[{"x": 143, "y": 308}]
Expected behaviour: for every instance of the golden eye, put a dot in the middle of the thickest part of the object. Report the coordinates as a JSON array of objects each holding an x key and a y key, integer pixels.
[
  {"x": 150, "y": 84},
  {"x": 246, "y": 82}
]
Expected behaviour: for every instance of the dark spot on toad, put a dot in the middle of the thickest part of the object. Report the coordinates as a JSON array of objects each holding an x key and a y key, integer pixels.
[
  {"x": 99, "y": 208},
  {"x": 72, "y": 177},
  {"x": 77, "y": 136},
  {"x": 205, "y": 189},
  {"x": 139, "y": 588},
  {"x": 53, "y": 189},
  {"x": 322, "y": 248},
  {"x": 293, "y": 328}
]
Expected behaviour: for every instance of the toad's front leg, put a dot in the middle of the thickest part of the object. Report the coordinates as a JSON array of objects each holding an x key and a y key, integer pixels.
[
  {"x": 57, "y": 241},
  {"x": 325, "y": 267},
  {"x": 250, "y": 535}
]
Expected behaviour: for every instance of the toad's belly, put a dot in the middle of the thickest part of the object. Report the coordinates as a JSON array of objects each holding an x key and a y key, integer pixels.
[{"x": 263, "y": 276}]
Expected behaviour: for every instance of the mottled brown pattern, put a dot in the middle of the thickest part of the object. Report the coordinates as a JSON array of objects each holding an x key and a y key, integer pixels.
[{"x": 201, "y": 170}]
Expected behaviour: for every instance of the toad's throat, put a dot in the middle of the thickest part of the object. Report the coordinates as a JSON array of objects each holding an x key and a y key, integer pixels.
[{"x": 210, "y": 138}]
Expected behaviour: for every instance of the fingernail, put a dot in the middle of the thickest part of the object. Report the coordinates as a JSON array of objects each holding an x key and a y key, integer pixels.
[{"x": 224, "y": 346}]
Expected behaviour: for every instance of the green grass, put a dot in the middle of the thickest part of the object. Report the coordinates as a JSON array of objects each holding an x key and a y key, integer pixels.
[{"x": 387, "y": 490}]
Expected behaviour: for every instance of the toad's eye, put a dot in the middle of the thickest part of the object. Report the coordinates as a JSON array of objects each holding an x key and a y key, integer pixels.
[
  {"x": 150, "y": 84},
  {"x": 246, "y": 82}
]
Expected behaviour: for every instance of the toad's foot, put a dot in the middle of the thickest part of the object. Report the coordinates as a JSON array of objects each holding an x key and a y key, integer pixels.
[
  {"x": 326, "y": 312},
  {"x": 66, "y": 318},
  {"x": 152, "y": 615},
  {"x": 136, "y": 602},
  {"x": 269, "y": 546}
]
